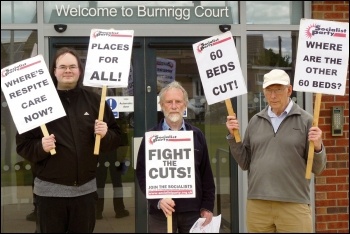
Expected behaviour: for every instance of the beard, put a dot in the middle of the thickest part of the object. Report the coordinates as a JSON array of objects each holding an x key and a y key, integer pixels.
[{"x": 173, "y": 117}]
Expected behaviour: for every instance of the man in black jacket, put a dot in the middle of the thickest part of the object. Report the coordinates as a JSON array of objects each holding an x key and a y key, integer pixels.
[
  {"x": 184, "y": 211},
  {"x": 65, "y": 183}
]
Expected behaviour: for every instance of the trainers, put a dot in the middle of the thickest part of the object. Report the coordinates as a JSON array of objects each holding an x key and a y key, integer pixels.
[
  {"x": 31, "y": 216},
  {"x": 122, "y": 214},
  {"x": 99, "y": 215}
]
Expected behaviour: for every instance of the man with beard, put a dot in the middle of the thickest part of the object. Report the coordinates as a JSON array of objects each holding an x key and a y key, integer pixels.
[{"x": 173, "y": 100}]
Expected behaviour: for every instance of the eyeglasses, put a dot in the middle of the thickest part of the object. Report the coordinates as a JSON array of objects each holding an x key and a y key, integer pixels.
[
  {"x": 64, "y": 68},
  {"x": 275, "y": 91}
]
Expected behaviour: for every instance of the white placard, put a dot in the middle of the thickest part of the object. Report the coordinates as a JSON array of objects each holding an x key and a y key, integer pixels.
[
  {"x": 108, "y": 58},
  {"x": 322, "y": 59},
  {"x": 170, "y": 164},
  {"x": 219, "y": 68},
  {"x": 30, "y": 94}
]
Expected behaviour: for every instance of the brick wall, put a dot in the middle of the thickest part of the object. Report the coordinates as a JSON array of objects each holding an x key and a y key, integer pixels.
[{"x": 332, "y": 186}]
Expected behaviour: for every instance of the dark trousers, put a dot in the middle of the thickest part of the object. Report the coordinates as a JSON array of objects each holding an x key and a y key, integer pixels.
[
  {"x": 66, "y": 214},
  {"x": 182, "y": 222},
  {"x": 115, "y": 173}
]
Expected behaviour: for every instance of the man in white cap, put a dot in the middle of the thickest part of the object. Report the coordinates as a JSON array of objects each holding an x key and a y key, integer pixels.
[{"x": 275, "y": 151}]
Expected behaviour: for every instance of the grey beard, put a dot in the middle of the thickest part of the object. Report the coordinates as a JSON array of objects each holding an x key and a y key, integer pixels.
[{"x": 174, "y": 117}]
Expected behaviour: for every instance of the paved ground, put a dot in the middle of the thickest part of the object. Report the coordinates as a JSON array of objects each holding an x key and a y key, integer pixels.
[
  {"x": 13, "y": 219},
  {"x": 16, "y": 203}
]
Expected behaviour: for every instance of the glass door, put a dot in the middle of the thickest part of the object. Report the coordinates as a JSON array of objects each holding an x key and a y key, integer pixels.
[
  {"x": 115, "y": 172},
  {"x": 168, "y": 59},
  {"x": 155, "y": 62}
]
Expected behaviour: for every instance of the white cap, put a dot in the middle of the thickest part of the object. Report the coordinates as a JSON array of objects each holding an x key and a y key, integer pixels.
[{"x": 276, "y": 76}]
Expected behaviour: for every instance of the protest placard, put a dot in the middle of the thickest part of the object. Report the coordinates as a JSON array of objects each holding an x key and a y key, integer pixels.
[
  {"x": 30, "y": 94},
  {"x": 170, "y": 164},
  {"x": 108, "y": 64},
  {"x": 321, "y": 65},
  {"x": 108, "y": 58},
  {"x": 323, "y": 55},
  {"x": 220, "y": 70}
]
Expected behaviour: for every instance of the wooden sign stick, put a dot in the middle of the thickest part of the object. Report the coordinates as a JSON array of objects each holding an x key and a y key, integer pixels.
[
  {"x": 235, "y": 132},
  {"x": 100, "y": 117},
  {"x": 46, "y": 134},
  {"x": 170, "y": 223},
  {"x": 310, "y": 157}
]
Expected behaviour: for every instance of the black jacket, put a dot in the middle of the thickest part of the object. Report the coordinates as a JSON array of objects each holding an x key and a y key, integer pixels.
[
  {"x": 205, "y": 187},
  {"x": 74, "y": 162}
]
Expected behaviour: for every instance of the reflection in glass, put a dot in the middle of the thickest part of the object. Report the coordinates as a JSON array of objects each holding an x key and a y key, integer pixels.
[
  {"x": 18, "y": 12},
  {"x": 180, "y": 65},
  {"x": 267, "y": 50},
  {"x": 16, "y": 173},
  {"x": 15, "y": 46},
  {"x": 272, "y": 12}
]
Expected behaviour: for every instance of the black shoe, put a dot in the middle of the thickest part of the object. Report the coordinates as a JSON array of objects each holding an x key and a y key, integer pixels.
[
  {"x": 99, "y": 215},
  {"x": 122, "y": 214},
  {"x": 31, "y": 216}
]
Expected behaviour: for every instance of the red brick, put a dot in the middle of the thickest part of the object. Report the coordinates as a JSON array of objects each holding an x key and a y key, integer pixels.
[
  {"x": 342, "y": 142},
  {"x": 325, "y": 187},
  {"x": 321, "y": 196},
  {"x": 333, "y": 15},
  {"x": 331, "y": 157},
  {"x": 325, "y": 203},
  {"x": 335, "y": 149},
  {"x": 343, "y": 217},
  {"x": 341, "y": 98},
  {"x": 336, "y": 225},
  {"x": 332, "y": 2},
  {"x": 335, "y": 195},
  {"x": 343, "y": 231},
  {"x": 337, "y": 209},
  {"x": 328, "y": 98},
  {"x": 344, "y": 171},
  {"x": 343, "y": 157},
  {"x": 322, "y": 8},
  {"x": 343, "y": 187},
  {"x": 320, "y": 180},
  {"x": 343, "y": 202},
  {"x": 327, "y": 142},
  {"x": 325, "y": 218},
  {"x": 336, "y": 180},
  {"x": 341, "y": 8},
  {"x": 321, "y": 227}
]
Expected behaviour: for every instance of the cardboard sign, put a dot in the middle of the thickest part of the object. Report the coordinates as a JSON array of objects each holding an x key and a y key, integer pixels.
[
  {"x": 219, "y": 68},
  {"x": 323, "y": 54},
  {"x": 30, "y": 94},
  {"x": 170, "y": 164},
  {"x": 108, "y": 58}
]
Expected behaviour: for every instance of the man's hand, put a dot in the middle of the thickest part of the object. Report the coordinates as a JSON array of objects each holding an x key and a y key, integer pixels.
[
  {"x": 315, "y": 135},
  {"x": 207, "y": 215},
  {"x": 48, "y": 143},
  {"x": 101, "y": 128},
  {"x": 167, "y": 205}
]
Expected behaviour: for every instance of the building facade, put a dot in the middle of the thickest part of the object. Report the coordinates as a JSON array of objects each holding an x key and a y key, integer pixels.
[{"x": 266, "y": 37}]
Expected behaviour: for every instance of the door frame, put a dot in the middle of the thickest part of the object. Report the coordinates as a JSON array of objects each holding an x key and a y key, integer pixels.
[{"x": 145, "y": 106}]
